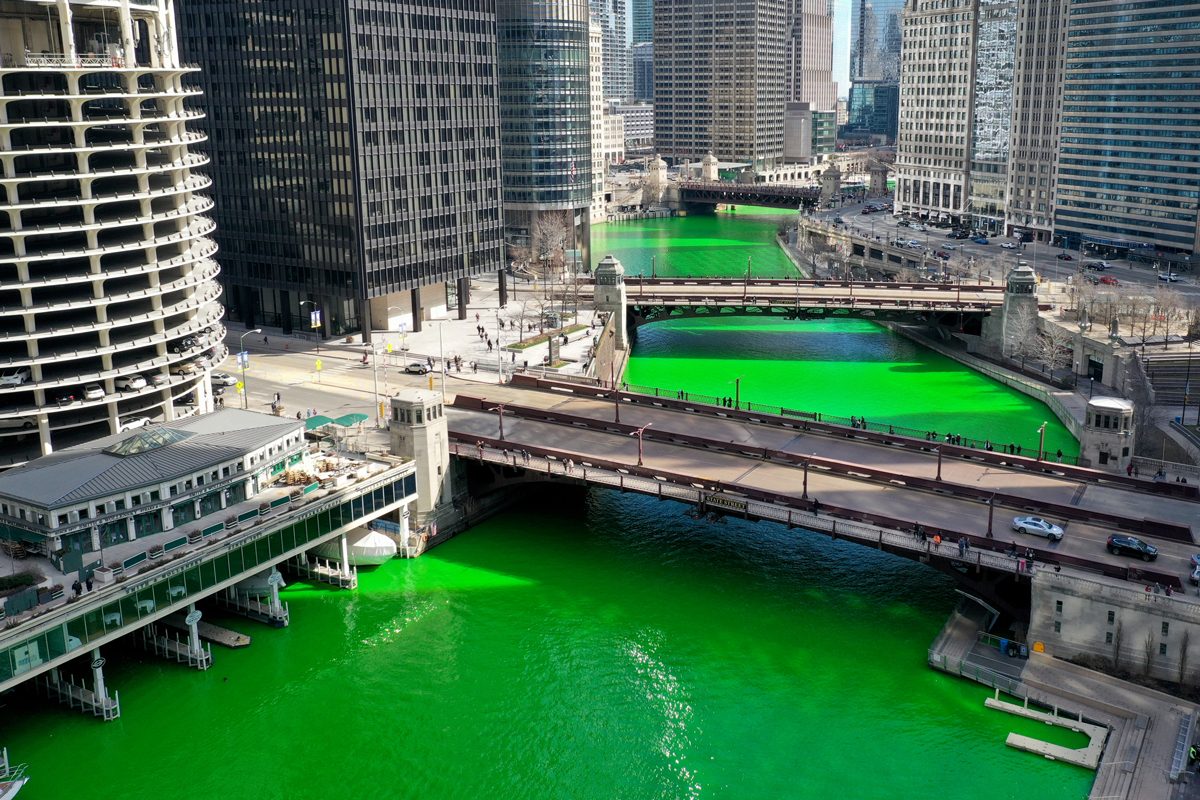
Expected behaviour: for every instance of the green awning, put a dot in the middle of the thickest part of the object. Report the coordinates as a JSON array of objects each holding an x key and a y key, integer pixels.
[
  {"x": 319, "y": 421},
  {"x": 350, "y": 419}
]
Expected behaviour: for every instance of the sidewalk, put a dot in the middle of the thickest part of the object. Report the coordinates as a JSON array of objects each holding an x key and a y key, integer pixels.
[{"x": 446, "y": 337}]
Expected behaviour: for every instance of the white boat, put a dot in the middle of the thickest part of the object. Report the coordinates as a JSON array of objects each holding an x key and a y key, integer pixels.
[
  {"x": 9, "y": 788},
  {"x": 11, "y": 778},
  {"x": 367, "y": 548}
]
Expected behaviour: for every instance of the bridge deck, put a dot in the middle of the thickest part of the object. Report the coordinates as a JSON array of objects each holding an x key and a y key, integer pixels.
[
  {"x": 839, "y": 487},
  {"x": 792, "y": 293}
]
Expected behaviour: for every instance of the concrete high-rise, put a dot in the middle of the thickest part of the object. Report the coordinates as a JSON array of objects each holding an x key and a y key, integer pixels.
[
  {"x": 596, "y": 117},
  {"x": 545, "y": 113},
  {"x": 109, "y": 304},
  {"x": 875, "y": 39},
  {"x": 1128, "y": 173},
  {"x": 356, "y": 151},
  {"x": 618, "y": 77},
  {"x": 810, "y": 55}
]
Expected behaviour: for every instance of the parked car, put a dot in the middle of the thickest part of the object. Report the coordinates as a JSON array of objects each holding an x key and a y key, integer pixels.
[
  {"x": 903, "y": 223},
  {"x": 93, "y": 391},
  {"x": 941, "y": 254},
  {"x": 1119, "y": 544},
  {"x": 156, "y": 379},
  {"x": 416, "y": 368},
  {"x": 129, "y": 383},
  {"x": 1195, "y": 578},
  {"x": 1065, "y": 257},
  {"x": 867, "y": 211},
  {"x": 133, "y": 423},
  {"x": 66, "y": 399},
  {"x": 1008, "y": 245},
  {"x": 950, "y": 247},
  {"x": 913, "y": 243},
  {"x": 16, "y": 424},
  {"x": 980, "y": 240},
  {"x": 223, "y": 379},
  {"x": 1168, "y": 277},
  {"x": 183, "y": 368},
  {"x": 1109, "y": 280},
  {"x": 1038, "y": 527},
  {"x": 839, "y": 221},
  {"x": 918, "y": 226},
  {"x": 183, "y": 344},
  {"x": 15, "y": 377}
]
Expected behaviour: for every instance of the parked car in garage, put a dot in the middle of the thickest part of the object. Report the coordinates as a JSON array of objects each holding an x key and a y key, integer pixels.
[
  {"x": 16, "y": 424},
  {"x": 133, "y": 423},
  {"x": 93, "y": 391},
  {"x": 15, "y": 377},
  {"x": 129, "y": 383}
]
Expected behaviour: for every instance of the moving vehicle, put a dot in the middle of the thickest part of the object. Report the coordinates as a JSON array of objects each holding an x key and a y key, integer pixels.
[
  {"x": 1065, "y": 257},
  {"x": 1099, "y": 266},
  {"x": 129, "y": 383},
  {"x": 1109, "y": 280},
  {"x": 980, "y": 240},
  {"x": 1168, "y": 277},
  {"x": 1120, "y": 544},
  {"x": 416, "y": 368},
  {"x": 1008, "y": 245},
  {"x": 1038, "y": 527},
  {"x": 15, "y": 377},
  {"x": 223, "y": 379},
  {"x": 941, "y": 254},
  {"x": 93, "y": 391}
]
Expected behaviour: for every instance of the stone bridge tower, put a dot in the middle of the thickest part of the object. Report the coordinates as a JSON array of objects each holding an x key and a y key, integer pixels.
[
  {"x": 831, "y": 184},
  {"x": 419, "y": 431},
  {"x": 1017, "y": 319},
  {"x": 610, "y": 297}
]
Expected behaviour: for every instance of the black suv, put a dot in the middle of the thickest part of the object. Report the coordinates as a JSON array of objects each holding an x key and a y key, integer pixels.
[{"x": 1118, "y": 544}]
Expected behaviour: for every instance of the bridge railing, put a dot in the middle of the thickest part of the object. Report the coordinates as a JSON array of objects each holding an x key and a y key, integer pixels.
[
  {"x": 877, "y": 530},
  {"x": 859, "y": 423}
]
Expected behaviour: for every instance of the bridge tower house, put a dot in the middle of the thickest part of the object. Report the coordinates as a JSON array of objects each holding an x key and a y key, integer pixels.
[
  {"x": 1106, "y": 440},
  {"x": 610, "y": 297},
  {"x": 419, "y": 431},
  {"x": 831, "y": 184},
  {"x": 1017, "y": 319},
  {"x": 708, "y": 169}
]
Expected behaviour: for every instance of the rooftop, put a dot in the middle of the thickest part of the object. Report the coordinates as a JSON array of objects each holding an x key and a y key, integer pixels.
[{"x": 132, "y": 460}]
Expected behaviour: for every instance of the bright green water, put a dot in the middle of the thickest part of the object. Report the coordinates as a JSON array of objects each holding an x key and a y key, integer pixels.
[{"x": 592, "y": 646}]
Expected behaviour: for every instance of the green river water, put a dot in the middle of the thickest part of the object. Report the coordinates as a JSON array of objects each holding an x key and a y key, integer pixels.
[{"x": 586, "y": 644}]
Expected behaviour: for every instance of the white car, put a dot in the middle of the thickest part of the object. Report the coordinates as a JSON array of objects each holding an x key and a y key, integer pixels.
[
  {"x": 93, "y": 391},
  {"x": 1038, "y": 527},
  {"x": 16, "y": 424},
  {"x": 133, "y": 423},
  {"x": 223, "y": 379},
  {"x": 1008, "y": 245},
  {"x": 15, "y": 377},
  {"x": 129, "y": 383}
]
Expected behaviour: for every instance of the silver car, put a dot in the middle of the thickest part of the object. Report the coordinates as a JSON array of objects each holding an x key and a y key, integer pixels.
[{"x": 1038, "y": 527}]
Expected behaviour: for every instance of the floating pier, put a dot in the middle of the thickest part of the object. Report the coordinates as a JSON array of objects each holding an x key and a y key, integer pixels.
[
  {"x": 275, "y": 615},
  {"x": 172, "y": 648},
  {"x": 326, "y": 571},
  {"x": 210, "y": 632},
  {"x": 1088, "y": 757}
]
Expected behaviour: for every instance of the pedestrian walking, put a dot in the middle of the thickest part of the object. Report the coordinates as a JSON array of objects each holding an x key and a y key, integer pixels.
[
  {"x": 88, "y": 583},
  {"x": 77, "y": 587},
  {"x": 265, "y": 342},
  {"x": 1128, "y": 470}
]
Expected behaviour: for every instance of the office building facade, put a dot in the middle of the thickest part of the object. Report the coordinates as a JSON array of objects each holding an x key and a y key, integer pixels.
[
  {"x": 643, "y": 72},
  {"x": 356, "y": 153},
  {"x": 1128, "y": 172},
  {"x": 875, "y": 44},
  {"x": 638, "y": 125},
  {"x": 596, "y": 117},
  {"x": 642, "y": 21},
  {"x": 618, "y": 76},
  {"x": 110, "y": 312},
  {"x": 545, "y": 115}
]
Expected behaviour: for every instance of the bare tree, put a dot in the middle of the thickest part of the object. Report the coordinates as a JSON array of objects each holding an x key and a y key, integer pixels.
[
  {"x": 1118, "y": 636},
  {"x": 520, "y": 315},
  {"x": 1054, "y": 347},
  {"x": 1147, "y": 652},
  {"x": 548, "y": 241},
  {"x": 1168, "y": 306},
  {"x": 1020, "y": 334}
]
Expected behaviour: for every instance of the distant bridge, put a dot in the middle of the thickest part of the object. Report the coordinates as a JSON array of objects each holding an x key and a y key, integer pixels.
[
  {"x": 654, "y": 299},
  {"x": 748, "y": 194},
  {"x": 872, "y": 487}
]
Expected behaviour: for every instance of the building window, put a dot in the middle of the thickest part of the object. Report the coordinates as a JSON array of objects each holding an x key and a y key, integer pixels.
[
  {"x": 1112, "y": 617},
  {"x": 1108, "y": 637},
  {"x": 1166, "y": 626},
  {"x": 1162, "y": 648},
  {"x": 1057, "y": 626},
  {"x": 1058, "y": 606}
]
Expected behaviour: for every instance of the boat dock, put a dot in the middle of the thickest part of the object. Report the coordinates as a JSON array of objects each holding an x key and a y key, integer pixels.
[
  {"x": 173, "y": 648},
  {"x": 209, "y": 632},
  {"x": 276, "y": 616},
  {"x": 1088, "y": 757}
]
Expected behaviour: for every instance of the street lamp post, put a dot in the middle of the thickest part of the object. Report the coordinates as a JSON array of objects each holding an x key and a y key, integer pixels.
[
  {"x": 242, "y": 359},
  {"x": 375, "y": 384},
  {"x": 499, "y": 407},
  {"x": 737, "y": 392},
  {"x": 317, "y": 326},
  {"x": 991, "y": 513},
  {"x": 638, "y": 433},
  {"x": 1187, "y": 387},
  {"x": 938, "y": 450},
  {"x": 1041, "y": 440},
  {"x": 804, "y": 495},
  {"x": 1091, "y": 387}
]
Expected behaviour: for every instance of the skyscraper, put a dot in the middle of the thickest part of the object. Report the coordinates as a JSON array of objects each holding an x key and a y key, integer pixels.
[
  {"x": 643, "y": 21},
  {"x": 721, "y": 79},
  {"x": 875, "y": 37},
  {"x": 545, "y": 114},
  {"x": 356, "y": 154},
  {"x": 611, "y": 15},
  {"x": 1128, "y": 174},
  {"x": 643, "y": 71},
  {"x": 108, "y": 292},
  {"x": 596, "y": 117}
]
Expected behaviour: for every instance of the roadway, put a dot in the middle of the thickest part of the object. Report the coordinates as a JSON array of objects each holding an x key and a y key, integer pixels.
[
  {"x": 1082, "y": 540},
  {"x": 668, "y": 291},
  {"x": 882, "y": 225}
]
